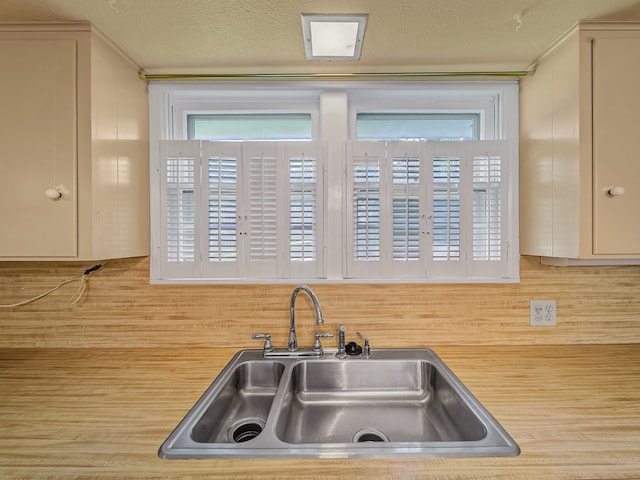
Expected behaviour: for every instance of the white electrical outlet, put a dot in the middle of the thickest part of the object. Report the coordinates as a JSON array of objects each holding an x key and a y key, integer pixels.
[{"x": 542, "y": 312}]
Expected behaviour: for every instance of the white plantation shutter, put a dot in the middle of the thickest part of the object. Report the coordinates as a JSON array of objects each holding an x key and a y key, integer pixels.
[
  {"x": 408, "y": 174},
  {"x": 306, "y": 207},
  {"x": 241, "y": 209},
  {"x": 179, "y": 180},
  {"x": 256, "y": 210},
  {"x": 446, "y": 255},
  {"x": 285, "y": 209},
  {"x": 386, "y": 205},
  {"x": 264, "y": 207},
  {"x": 468, "y": 209},
  {"x": 490, "y": 208},
  {"x": 365, "y": 178},
  {"x": 426, "y": 209},
  {"x": 221, "y": 223},
  {"x": 302, "y": 209}
]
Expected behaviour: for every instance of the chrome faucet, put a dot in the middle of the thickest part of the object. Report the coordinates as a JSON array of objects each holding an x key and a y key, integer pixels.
[{"x": 293, "y": 341}]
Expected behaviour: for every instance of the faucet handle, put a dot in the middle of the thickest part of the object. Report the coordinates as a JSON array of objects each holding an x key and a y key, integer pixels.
[
  {"x": 317, "y": 346},
  {"x": 366, "y": 352},
  {"x": 268, "y": 346}
]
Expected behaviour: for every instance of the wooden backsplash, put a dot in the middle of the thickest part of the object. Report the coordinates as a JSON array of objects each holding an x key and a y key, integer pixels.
[{"x": 121, "y": 309}]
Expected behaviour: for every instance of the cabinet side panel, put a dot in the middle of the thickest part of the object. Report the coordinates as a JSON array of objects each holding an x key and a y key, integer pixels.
[
  {"x": 38, "y": 139},
  {"x": 566, "y": 149},
  {"x": 133, "y": 164},
  {"x": 104, "y": 153},
  {"x": 120, "y": 154},
  {"x": 536, "y": 161},
  {"x": 616, "y": 143}
]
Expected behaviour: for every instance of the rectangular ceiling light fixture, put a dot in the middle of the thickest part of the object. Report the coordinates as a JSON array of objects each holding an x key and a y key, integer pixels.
[{"x": 333, "y": 37}]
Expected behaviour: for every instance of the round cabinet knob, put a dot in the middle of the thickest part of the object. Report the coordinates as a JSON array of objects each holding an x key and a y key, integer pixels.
[
  {"x": 616, "y": 191},
  {"x": 53, "y": 194}
]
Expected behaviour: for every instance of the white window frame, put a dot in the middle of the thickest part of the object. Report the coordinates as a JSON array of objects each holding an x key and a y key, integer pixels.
[{"x": 334, "y": 106}]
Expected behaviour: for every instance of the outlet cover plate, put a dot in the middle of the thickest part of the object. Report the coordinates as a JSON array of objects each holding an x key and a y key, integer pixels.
[{"x": 542, "y": 313}]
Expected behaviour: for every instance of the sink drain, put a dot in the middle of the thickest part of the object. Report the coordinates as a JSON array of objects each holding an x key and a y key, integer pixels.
[
  {"x": 370, "y": 435},
  {"x": 246, "y": 430}
]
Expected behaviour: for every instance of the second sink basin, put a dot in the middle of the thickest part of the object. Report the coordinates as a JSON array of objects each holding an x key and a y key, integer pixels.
[{"x": 369, "y": 401}]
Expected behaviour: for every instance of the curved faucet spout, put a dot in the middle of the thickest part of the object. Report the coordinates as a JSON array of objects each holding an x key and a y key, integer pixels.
[{"x": 293, "y": 341}]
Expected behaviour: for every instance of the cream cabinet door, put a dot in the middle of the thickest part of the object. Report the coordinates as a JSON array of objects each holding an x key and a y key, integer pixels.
[
  {"x": 38, "y": 148},
  {"x": 616, "y": 145}
]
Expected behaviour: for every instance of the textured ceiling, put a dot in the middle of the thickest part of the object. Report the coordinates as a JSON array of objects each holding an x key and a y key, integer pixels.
[{"x": 265, "y": 36}]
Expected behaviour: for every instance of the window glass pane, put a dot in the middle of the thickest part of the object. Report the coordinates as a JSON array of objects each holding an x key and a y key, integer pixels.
[
  {"x": 263, "y": 126},
  {"x": 418, "y": 126}
]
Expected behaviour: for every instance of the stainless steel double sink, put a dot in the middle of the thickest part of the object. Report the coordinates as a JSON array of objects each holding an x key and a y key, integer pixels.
[{"x": 398, "y": 402}]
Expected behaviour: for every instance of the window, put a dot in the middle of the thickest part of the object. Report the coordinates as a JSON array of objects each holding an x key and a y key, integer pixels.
[{"x": 261, "y": 185}]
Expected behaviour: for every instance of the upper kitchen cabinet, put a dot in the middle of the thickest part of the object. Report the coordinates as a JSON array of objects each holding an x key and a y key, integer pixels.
[
  {"x": 580, "y": 147},
  {"x": 74, "y": 138}
]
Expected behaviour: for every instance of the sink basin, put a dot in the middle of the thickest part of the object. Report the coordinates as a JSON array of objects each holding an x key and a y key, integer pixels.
[
  {"x": 365, "y": 401},
  {"x": 239, "y": 410},
  {"x": 398, "y": 402}
]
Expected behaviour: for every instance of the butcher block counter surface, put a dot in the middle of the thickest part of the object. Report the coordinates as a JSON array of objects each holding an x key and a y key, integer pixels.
[{"x": 103, "y": 413}]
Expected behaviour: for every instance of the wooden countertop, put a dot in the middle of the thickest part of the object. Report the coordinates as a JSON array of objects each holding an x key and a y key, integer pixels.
[{"x": 103, "y": 413}]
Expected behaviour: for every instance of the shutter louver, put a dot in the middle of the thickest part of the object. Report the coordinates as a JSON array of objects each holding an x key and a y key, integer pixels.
[
  {"x": 263, "y": 209},
  {"x": 179, "y": 242},
  {"x": 181, "y": 221},
  {"x": 446, "y": 208},
  {"x": 406, "y": 208},
  {"x": 222, "y": 208},
  {"x": 303, "y": 177},
  {"x": 366, "y": 208},
  {"x": 487, "y": 208}
]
